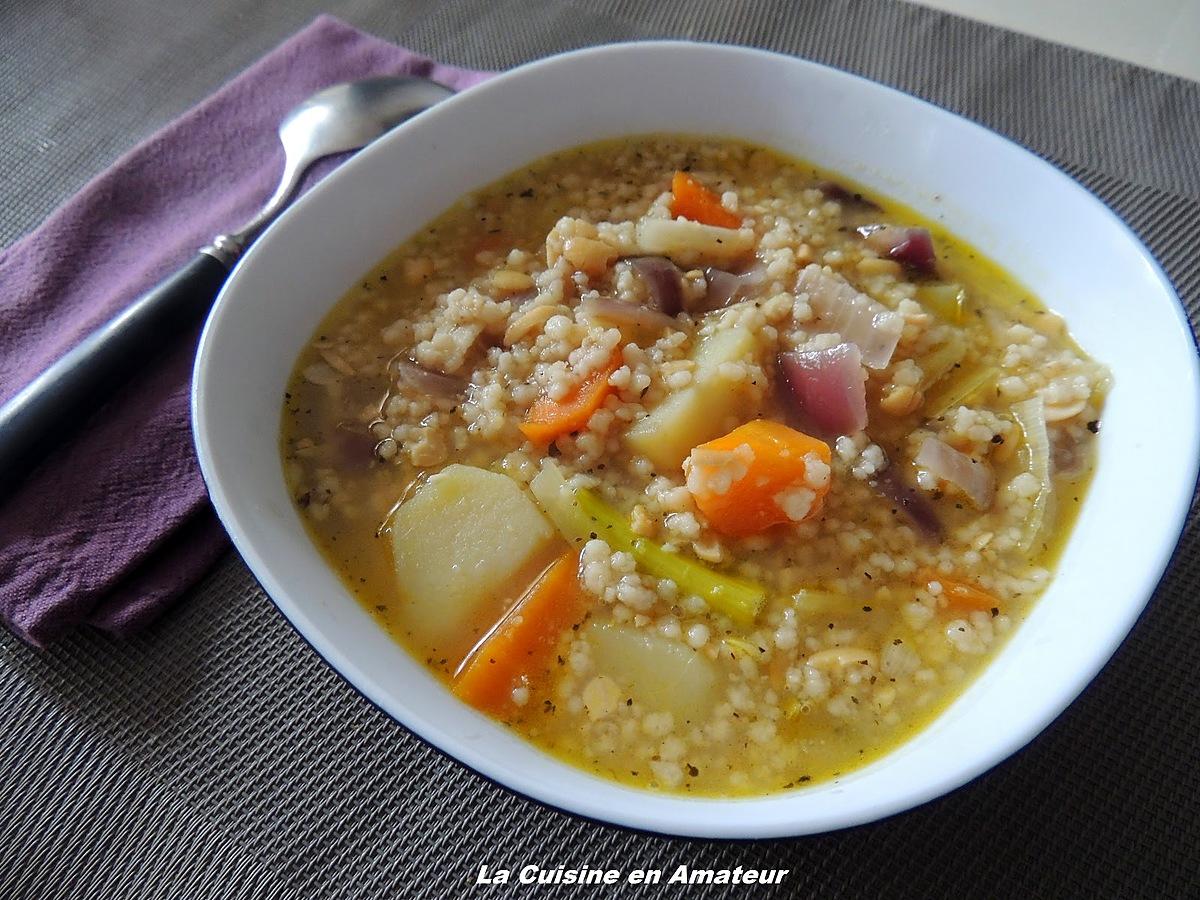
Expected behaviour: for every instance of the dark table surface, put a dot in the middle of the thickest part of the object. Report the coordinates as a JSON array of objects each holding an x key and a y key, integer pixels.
[{"x": 217, "y": 756}]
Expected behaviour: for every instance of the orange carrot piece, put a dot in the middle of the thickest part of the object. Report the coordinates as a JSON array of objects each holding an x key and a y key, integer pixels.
[
  {"x": 757, "y": 476},
  {"x": 959, "y": 594},
  {"x": 692, "y": 200},
  {"x": 521, "y": 642},
  {"x": 549, "y": 419}
]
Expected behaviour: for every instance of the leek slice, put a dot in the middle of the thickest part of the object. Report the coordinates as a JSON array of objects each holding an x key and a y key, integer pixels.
[
  {"x": 550, "y": 489},
  {"x": 810, "y": 601},
  {"x": 939, "y": 363},
  {"x": 581, "y": 515},
  {"x": 959, "y": 389},
  {"x": 1031, "y": 416},
  {"x": 946, "y": 301},
  {"x": 742, "y": 648},
  {"x": 738, "y": 598}
]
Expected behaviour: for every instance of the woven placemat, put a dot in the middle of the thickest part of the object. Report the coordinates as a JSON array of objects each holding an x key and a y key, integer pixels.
[{"x": 217, "y": 756}]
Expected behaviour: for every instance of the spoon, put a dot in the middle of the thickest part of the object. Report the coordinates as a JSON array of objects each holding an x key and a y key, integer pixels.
[{"x": 337, "y": 119}]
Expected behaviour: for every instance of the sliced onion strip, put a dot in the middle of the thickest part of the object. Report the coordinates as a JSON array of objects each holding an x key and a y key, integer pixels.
[
  {"x": 912, "y": 502},
  {"x": 727, "y": 288},
  {"x": 973, "y": 478},
  {"x": 412, "y": 374},
  {"x": 855, "y": 316},
  {"x": 663, "y": 281}
]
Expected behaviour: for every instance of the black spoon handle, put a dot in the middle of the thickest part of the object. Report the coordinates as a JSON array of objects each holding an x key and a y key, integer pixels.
[{"x": 81, "y": 381}]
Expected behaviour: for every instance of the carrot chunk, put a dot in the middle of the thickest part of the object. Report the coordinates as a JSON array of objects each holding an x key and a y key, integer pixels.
[
  {"x": 521, "y": 642},
  {"x": 760, "y": 474},
  {"x": 959, "y": 594},
  {"x": 692, "y": 200},
  {"x": 549, "y": 419}
]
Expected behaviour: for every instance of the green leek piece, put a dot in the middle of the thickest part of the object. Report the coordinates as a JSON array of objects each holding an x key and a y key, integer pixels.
[
  {"x": 817, "y": 602},
  {"x": 742, "y": 648},
  {"x": 939, "y": 363},
  {"x": 946, "y": 301},
  {"x": 958, "y": 389},
  {"x": 738, "y": 598},
  {"x": 581, "y": 515},
  {"x": 550, "y": 489}
]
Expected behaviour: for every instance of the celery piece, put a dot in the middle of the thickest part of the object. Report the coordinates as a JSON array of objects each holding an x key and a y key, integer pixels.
[{"x": 738, "y": 598}]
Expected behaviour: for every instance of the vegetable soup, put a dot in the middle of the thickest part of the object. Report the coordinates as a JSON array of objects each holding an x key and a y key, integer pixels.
[{"x": 693, "y": 464}]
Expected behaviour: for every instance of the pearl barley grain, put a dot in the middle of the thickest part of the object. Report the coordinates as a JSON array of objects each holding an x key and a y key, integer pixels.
[
  {"x": 697, "y": 661},
  {"x": 697, "y": 635}
]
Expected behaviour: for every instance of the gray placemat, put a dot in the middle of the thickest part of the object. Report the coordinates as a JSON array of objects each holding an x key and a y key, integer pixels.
[{"x": 217, "y": 756}]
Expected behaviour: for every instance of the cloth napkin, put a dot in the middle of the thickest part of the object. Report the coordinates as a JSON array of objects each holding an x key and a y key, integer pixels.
[{"x": 116, "y": 523}]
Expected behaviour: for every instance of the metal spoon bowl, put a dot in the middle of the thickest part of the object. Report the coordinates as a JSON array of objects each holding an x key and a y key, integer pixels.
[
  {"x": 339, "y": 118},
  {"x": 335, "y": 120}
]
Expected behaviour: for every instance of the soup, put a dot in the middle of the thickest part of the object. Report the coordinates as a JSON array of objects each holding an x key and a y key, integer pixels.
[{"x": 693, "y": 464}]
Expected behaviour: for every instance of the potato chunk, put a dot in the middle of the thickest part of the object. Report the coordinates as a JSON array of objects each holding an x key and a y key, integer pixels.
[
  {"x": 692, "y": 243},
  {"x": 660, "y": 673},
  {"x": 456, "y": 544},
  {"x": 707, "y": 408}
]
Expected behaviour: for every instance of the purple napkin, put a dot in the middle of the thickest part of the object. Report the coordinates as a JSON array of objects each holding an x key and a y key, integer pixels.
[{"x": 116, "y": 524}]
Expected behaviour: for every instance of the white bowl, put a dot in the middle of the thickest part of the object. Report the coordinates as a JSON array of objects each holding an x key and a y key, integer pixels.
[{"x": 1043, "y": 227}]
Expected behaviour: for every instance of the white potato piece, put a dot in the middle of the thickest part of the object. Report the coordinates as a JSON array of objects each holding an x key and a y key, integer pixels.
[
  {"x": 662, "y": 674},
  {"x": 693, "y": 243},
  {"x": 707, "y": 408},
  {"x": 456, "y": 543}
]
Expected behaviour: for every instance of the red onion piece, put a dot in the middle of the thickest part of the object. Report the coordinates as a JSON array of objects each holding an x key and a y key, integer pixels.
[
  {"x": 411, "y": 374},
  {"x": 727, "y": 288},
  {"x": 353, "y": 446},
  {"x": 916, "y": 506},
  {"x": 722, "y": 288},
  {"x": 834, "y": 191},
  {"x": 882, "y": 238},
  {"x": 828, "y": 387},
  {"x": 1069, "y": 456},
  {"x": 625, "y": 313},
  {"x": 855, "y": 316},
  {"x": 663, "y": 280},
  {"x": 911, "y": 247},
  {"x": 972, "y": 477}
]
